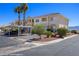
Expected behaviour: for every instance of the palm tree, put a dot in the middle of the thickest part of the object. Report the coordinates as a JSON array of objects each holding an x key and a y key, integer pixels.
[
  {"x": 18, "y": 10},
  {"x": 24, "y": 8}
]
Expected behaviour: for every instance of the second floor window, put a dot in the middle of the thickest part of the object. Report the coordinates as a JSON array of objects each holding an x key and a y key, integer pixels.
[
  {"x": 44, "y": 19},
  {"x": 37, "y": 20}
]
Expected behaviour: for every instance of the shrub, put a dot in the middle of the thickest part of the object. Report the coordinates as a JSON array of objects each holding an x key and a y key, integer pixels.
[
  {"x": 62, "y": 32},
  {"x": 38, "y": 29},
  {"x": 5, "y": 30},
  {"x": 74, "y": 31},
  {"x": 48, "y": 29},
  {"x": 33, "y": 31},
  {"x": 45, "y": 32},
  {"x": 48, "y": 33},
  {"x": 14, "y": 29}
]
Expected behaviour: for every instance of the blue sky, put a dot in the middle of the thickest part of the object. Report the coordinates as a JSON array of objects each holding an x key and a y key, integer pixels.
[{"x": 71, "y": 11}]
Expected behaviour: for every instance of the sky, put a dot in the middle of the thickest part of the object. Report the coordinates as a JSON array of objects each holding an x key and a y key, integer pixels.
[{"x": 69, "y": 10}]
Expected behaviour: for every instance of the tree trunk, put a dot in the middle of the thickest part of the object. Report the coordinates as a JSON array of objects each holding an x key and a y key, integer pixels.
[
  {"x": 18, "y": 18},
  {"x": 24, "y": 18},
  {"x": 19, "y": 23}
]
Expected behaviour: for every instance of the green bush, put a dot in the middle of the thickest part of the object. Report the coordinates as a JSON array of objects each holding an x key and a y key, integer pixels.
[
  {"x": 48, "y": 33},
  {"x": 14, "y": 29},
  {"x": 5, "y": 30},
  {"x": 33, "y": 31},
  {"x": 48, "y": 29},
  {"x": 38, "y": 29},
  {"x": 45, "y": 32},
  {"x": 62, "y": 32},
  {"x": 74, "y": 31}
]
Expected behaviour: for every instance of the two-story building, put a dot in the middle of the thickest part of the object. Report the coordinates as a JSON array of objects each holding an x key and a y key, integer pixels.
[{"x": 53, "y": 21}]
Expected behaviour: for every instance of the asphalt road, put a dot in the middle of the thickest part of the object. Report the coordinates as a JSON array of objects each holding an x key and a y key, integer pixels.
[
  {"x": 69, "y": 47},
  {"x": 8, "y": 41}
]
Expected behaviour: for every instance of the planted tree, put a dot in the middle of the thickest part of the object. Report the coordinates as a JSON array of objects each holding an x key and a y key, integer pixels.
[
  {"x": 24, "y": 8},
  {"x": 18, "y": 10}
]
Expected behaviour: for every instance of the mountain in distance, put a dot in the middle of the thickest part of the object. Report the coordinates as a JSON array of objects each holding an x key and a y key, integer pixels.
[{"x": 74, "y": 28}]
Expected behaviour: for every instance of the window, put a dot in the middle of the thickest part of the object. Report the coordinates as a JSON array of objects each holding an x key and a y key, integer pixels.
[
  {"x": 37, "y": 20},
  {"x": 44, "y": 19},
  {"x": 51, "y": 19}
]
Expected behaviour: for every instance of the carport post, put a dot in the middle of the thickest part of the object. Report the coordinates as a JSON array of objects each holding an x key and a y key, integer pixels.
[
  {"x": 30, "y": 30},
  {"x": 9, "y": 31},
  {"x": 18, "y": 31}
]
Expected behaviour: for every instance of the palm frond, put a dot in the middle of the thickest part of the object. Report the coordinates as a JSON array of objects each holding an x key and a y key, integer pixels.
[
  {"x": 24, "y": 7},
  {"x": 18, "y": 9}
]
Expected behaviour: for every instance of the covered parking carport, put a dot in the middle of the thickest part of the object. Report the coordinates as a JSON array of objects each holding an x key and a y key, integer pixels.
[{"x": 29, "y": 28}]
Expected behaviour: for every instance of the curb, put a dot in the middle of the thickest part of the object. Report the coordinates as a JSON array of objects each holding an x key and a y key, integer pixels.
[{"x": 59, "y": 40}]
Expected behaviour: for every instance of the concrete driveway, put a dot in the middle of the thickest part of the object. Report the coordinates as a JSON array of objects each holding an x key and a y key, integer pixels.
[{"x": 69, "y": 47}]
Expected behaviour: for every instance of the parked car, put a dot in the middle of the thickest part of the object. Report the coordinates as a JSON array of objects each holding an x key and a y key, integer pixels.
[{"x": 11, "y": 33}]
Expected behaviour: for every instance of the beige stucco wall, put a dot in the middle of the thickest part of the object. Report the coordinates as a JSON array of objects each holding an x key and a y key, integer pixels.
[{"x": 58, "y": 20}]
